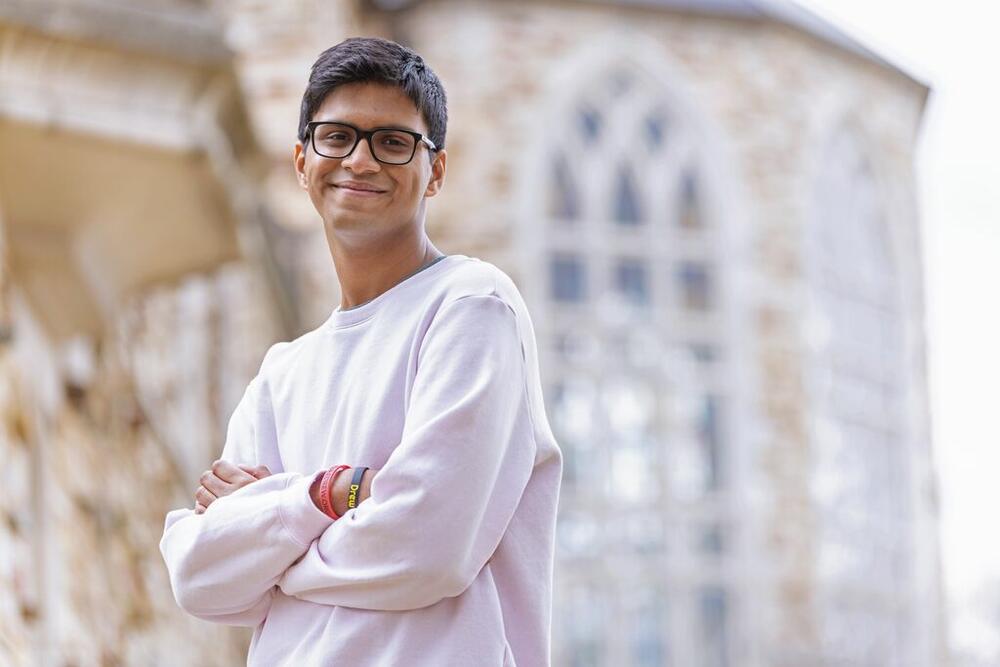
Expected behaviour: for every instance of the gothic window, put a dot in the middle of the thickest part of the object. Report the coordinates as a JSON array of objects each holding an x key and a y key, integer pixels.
[
  {"x": 636, "y": 400},
  {"x": 690, "y": 215},
  {"x": 632, "y": 281},
  {"x": 702, "y": 352},
  {"x": 858, "y": 479},
  {"x": 714, "y": 615},
  {"x": 694, "y": 285},
  {"x": 627, "y": 210},
  {"x": 709, "y": 441},
  {"x": 590, "y": 124},
  {"x": 711, "y": 539},
  {"x": 655, "y": 126},
  {"x": 646, "y": 626},
  {"x": 564, "y": 200},
  {"x": 568, "y": 279}
]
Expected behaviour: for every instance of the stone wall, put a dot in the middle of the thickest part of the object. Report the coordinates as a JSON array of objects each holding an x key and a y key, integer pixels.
[{"x": 97, "y": 452}]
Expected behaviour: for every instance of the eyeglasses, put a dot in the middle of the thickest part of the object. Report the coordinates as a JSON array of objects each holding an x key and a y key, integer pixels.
[{"x": 389, "y": 145}]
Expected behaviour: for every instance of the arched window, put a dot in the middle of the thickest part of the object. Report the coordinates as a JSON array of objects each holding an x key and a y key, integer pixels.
[
  {"x": 859, "y": 477},
  {"x": 631, "y": 324},
  {"x": 564, "y": 198},
  {"x": 627, "y": 210}
]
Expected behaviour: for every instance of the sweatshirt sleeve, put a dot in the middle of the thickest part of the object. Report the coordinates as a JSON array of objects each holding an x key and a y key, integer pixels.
[
  {"x": 441, "y": 503},
  {"x": 224, "y": 564}
]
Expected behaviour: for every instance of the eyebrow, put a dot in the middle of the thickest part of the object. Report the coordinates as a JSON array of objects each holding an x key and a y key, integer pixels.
[{"x": 387, "y": 127}]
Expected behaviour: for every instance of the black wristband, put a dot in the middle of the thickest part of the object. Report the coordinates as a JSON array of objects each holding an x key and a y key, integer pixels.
[{"x": 355, "y": 490}]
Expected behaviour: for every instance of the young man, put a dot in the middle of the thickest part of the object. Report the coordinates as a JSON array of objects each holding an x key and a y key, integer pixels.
[{"x": 427, "y": 375}]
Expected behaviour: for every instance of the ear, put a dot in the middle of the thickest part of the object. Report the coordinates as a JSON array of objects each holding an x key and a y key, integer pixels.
[
  {"x": 299, "y": 160},
  {"x": 438, "y": 168}
]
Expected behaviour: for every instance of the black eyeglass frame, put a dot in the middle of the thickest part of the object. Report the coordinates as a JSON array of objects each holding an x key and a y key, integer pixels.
[{"x": 367, "y": 136}]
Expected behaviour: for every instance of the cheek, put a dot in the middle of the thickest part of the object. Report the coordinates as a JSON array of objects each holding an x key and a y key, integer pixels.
[
  {"x": 319, "y": 186},
  {"x": 418, "y": 185},
  {"x": 318, "y": 190}
]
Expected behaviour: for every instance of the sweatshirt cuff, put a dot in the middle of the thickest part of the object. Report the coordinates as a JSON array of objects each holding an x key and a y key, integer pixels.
[{"x": 300, "y": 516}]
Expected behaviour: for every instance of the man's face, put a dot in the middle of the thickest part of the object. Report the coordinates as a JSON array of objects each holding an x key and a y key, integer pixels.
[{"x": 399, "y": 200}]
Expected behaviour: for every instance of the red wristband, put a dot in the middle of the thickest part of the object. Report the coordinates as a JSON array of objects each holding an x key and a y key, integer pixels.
[{"x": 325, "y": 485}]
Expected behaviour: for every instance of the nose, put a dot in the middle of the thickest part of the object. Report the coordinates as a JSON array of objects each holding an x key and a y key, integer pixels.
[{"x": 361, "y": 159}]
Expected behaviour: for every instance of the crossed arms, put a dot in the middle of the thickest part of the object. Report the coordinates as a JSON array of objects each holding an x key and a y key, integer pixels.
[
  {"x": 224, "y": 478},
  {"x": 431, "y": 518}
]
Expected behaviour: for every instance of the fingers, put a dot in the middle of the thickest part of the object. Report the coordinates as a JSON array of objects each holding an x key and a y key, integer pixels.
[
  {"x": 214, "y": 484},
  {"x": 260, "y": 472},
  {"x": 223, "y": 479},
  {"x": 203, "y": 496},
  {"x": 232, "y": 474}
]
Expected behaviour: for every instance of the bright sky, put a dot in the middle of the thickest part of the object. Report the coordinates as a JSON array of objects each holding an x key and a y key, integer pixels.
[{"x": 954, "y": 46}]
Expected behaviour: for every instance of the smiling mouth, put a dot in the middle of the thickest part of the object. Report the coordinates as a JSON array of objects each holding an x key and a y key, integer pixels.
[{"x": 359, "y": 191}]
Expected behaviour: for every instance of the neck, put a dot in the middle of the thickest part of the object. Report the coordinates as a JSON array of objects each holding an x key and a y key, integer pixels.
[{"x": 366, "y": 273}]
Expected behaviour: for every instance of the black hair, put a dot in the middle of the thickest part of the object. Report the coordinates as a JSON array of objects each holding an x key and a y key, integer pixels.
[{"x": 376, "y": 60}]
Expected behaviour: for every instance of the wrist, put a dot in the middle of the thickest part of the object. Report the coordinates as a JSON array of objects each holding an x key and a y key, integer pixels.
[
  {"x": 342, "y": 490},
  {"x": 314, "y": 490},
  {"x": 339, "y": 491},
  {"x": 323, "y": 492}
]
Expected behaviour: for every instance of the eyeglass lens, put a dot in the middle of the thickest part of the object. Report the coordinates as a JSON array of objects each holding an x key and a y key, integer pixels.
[{"x": 391, "y": 146}]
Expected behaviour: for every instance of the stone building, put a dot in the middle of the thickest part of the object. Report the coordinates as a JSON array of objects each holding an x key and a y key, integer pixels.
[{"x": 709, "y": 206}]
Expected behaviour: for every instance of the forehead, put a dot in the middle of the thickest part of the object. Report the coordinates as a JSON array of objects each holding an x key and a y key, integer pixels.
[{"x": 371, "y": 105}]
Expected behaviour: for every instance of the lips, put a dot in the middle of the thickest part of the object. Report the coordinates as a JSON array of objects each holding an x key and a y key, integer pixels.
[{"x": 358, "y": 187}]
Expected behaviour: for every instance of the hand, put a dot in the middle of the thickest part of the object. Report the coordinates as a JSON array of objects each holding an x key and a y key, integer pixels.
[{"x": 225, "y": 478}]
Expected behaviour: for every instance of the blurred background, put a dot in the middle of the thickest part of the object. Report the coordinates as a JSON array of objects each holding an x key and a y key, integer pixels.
[{"x": 755, "y": 237}]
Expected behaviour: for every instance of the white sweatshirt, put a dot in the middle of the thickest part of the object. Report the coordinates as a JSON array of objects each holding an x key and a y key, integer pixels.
[{"x": 449, "y": 563}]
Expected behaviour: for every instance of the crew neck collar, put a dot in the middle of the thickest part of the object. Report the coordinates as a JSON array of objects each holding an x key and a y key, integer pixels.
[{"x": 344, "y": 318}]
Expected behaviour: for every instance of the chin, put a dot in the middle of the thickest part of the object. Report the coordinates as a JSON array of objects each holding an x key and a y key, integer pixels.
[{"x": 341, "y": 219}]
